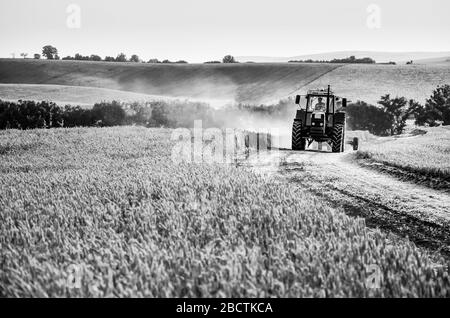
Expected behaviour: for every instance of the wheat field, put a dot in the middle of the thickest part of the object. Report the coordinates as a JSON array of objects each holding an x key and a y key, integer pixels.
[
  {"x": 110, "y": 203},
  {"x": 425, "y": 153}
]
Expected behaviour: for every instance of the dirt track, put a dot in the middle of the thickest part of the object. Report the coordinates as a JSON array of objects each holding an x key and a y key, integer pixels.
[{"x": 403, "y": 208}]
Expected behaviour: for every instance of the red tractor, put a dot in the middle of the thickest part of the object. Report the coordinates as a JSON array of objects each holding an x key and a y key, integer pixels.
[{"x": 322, "y": 119}]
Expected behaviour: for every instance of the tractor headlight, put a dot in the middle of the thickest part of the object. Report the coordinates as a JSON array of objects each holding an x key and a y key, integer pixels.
[{"x": 321, "y": 124}]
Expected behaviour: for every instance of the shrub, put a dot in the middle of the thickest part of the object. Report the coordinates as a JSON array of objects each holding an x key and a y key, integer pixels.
[
  {"x": 77, "y": 117},
  {"x": 139, "y": 114},
  {"x": 108, "y": 114},
  {"x": 160, "y": 115},
  {"x": 362, "y": 116},
  {"x": 29, "y": 114},
  {"x": 437, "y": 108}
]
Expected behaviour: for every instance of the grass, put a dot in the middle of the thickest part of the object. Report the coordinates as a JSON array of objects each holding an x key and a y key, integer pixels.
[
  {"x": 112, "y": 203},
  {"x": 427, "y": 154}
]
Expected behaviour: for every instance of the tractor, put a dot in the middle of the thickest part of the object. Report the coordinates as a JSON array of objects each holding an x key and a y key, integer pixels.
[{"x": 322, "y": 119}]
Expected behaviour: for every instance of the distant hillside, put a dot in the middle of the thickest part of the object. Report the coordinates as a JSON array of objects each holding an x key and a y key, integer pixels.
[
  {"x": 379, "y": 57},
  {"x": 368, "y": 82},
  {"x": 437, "y": 60},
  {"x": 88, "y": 82},
  {"x": 252, "y": 83}
]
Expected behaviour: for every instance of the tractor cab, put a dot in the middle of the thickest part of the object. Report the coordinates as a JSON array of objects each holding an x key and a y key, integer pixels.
[{"x": 321, "y": 118}]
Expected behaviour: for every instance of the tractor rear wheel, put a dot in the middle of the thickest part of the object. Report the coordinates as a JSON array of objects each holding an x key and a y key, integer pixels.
[
  {"x": 337, "y": 138},
  {"x": 298, "y": 142}
]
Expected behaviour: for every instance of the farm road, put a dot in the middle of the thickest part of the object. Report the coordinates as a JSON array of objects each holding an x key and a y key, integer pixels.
[{"x": 402, "y": 208}]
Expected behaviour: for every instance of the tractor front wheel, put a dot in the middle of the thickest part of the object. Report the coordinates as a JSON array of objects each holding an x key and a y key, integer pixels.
[
  {"x": 337, "y": 139},
  {"x": 298, "y": 142}
]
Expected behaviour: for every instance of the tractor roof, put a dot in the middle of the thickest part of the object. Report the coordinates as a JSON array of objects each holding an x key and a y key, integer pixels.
[{"x": 319, "y": 92}]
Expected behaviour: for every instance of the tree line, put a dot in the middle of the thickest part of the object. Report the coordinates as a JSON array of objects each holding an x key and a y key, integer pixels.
[
  {"x": 51, "y": 53},
  {"x": 390, "y": 115},
  {"x": 45, "y": 114},
  {"x": 349, "y": 60},
  {"x": 31, "y": 115},
  {"x": 387, "y": 118}
]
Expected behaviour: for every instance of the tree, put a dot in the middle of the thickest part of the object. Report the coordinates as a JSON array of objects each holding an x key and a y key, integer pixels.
[
  {"x": 94, "y": 57},
  {"x": 228, "y": 59},
  {"x": 153, "y": 61},
  {"x": 161, "y": 115},
  {"x": 181, "y": 62},
  {"x": 437, "y": 108},
  {"x": 121, "y": 58},
  {"x": 37, "y": 56},
  {"x": 362, "y": 116},
  {"x": 109, "y": 59},
  {"x": 24, "y": 55},
  {"x": 166, "y": 62},
  {"x": 108, "y": 114},
  {"x": 414, "y": 109},
  {"x": 50, "y": 52},
  {"x": 134, "y": 58},
  {"x": 399, "y": 109}
]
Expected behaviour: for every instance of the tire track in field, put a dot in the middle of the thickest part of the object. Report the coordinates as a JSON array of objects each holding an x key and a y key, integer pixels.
[
  {"x": 402, "y": 208},
  {"x": 314, "y": 79}
]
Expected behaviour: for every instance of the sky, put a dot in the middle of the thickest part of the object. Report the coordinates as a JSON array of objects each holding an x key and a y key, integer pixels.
[{"x": 202, "y": 30}]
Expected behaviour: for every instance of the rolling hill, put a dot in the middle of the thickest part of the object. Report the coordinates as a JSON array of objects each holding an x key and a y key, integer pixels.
[
  {"x": 64, "y": 94},
  {"x": 369, "y": 82},
  {"x": 81, "y": 82},
  {"x": 379, "y": 57},
  {"x": 225, "y": 82}
]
